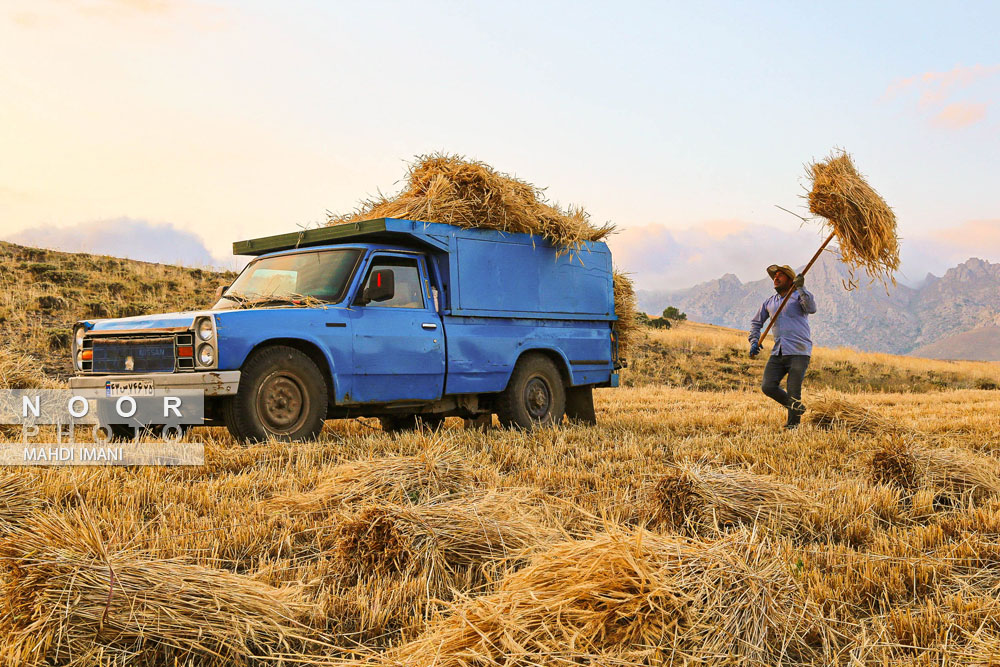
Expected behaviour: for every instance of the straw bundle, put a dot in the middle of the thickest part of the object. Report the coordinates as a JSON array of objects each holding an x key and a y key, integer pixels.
[
  {"x": 622, "y": 596},
  {"x": 954, "y": 474},
  {"x": 443, "y": 541},
  {"x": 469, "y": 193},
  {"x": 895, "y": 464},
  {"x": 625, "y": 309},
  {"x": 864, "y": 224},
  {"x": 69, "y": 596},
  {"x": 21, "y": 371},
  {"x": 828, "y": 410},
  {"x": 399, "y": 479},
  {"x": 696, "y": 498},
  {"x": 958, "y": 473},
  {"x": 18, "y": 500}
]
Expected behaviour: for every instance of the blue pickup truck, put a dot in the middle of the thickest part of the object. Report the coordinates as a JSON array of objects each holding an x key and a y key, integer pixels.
[{"x": 410, "y": 322}]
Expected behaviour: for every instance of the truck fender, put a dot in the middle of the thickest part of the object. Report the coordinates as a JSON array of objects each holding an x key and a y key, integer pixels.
[
  {"x": 557, "y": 357},
  {"x": 311, "y": 347}
]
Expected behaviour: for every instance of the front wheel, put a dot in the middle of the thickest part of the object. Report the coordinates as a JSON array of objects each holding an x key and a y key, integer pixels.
[
  {"x": 282, "y": 395},
  {"x": 535, "y": 395}
]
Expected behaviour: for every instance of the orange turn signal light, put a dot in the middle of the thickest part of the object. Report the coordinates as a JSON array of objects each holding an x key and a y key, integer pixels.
[
  {"x": 185, "y": 351},
  {"x": 87, "y": 355}
]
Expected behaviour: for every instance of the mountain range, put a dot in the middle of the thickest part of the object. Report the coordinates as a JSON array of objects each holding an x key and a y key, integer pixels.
[{"x": 955, "y": 316}]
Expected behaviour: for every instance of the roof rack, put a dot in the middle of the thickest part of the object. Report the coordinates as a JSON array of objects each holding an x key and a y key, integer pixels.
[{"x": 373, "y": 231}]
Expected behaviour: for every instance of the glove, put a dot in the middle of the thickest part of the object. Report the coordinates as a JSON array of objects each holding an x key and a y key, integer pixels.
[
  {"x": 754, "y": 349},
  {"x": 799, "y": 282}
]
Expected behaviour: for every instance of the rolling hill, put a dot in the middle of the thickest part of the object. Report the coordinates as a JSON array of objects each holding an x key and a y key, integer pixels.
[{"x": 903, "y": 320}]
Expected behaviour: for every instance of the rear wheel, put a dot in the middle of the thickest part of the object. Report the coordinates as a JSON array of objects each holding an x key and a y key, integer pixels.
[
  {"x": 535, "y": 395},
  {"x": 282, "y": 395}
]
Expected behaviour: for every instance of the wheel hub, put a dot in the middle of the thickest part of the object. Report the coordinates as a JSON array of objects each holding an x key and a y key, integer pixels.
[
  {"x": 282, "y": 403},
  {"x": 537, "y": 398}
]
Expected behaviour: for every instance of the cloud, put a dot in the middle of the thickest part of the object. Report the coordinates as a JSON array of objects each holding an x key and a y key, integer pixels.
[
  {"x": 960, "y": 115},
  {"x": 124, "y": 237},
  {"x": 971, "y": 236},
  {"x": 50, "y": 13},
  {"x": 113, "y": 7},
  {"x": 661, "y": 258},
  {"x": 936, "y": 92}
]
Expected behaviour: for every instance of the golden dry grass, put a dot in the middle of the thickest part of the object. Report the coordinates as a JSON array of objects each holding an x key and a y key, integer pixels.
[
  {"x": 872, "y": 539},
  {"x": 713, "y": 358},
  {"x": 803, "y": 530}
]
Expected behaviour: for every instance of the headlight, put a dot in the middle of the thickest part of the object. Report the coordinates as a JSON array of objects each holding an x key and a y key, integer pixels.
[
  {"x": 205, "y": 330},
  {"x": 206, "y": 355},
  {"x": 79, "y": 360},
  {"x": 78, "y": 336}
]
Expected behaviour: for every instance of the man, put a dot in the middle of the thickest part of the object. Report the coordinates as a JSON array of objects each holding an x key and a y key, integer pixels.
[{"x": 792, "y": 340}]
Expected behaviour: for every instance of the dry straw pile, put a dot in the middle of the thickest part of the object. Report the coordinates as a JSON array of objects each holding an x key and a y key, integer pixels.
[
  {"x": 698, "y": 498},
  {"x": 21, "y": 371},
  {"x": 447, "y": 542},
  {"x": 632, "y": 598},
  {"x": 469, "y": 193},
  {"x": 69, "y": 600},
  {"x": 830, "y": 410},
  {"x": 399, "y": 479},
  {"x": 864, "y": 224},
  {"x": 18, "y": 501},
  {"x": 955, "y": 475}
]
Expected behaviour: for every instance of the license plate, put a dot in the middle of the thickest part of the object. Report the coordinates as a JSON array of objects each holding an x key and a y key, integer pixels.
[{"x": 129, "y": 388}]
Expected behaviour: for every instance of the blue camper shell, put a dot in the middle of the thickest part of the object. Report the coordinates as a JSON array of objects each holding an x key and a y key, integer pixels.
[{"x": 487, "y": 299}]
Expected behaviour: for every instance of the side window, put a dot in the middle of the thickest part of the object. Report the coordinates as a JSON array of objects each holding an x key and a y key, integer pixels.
[{"x": 406, "y": 272}]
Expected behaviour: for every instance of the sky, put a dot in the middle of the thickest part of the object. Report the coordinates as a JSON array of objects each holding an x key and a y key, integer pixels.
[{"x": 167, "y": 129}]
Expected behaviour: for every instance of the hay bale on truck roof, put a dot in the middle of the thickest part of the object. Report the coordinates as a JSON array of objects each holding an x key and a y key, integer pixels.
[{"x": 469, "y": 193}]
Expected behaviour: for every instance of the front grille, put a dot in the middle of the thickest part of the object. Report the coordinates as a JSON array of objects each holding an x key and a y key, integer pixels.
[{"x": 137, "y": 354}]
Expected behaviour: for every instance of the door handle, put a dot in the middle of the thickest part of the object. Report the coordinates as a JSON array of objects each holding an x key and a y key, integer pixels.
[{"x": 429, "y": 326}]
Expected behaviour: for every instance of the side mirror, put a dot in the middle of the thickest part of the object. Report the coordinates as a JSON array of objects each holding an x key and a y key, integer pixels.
[
  {"x": 220, "y": 291},
  {"x": 381, "y": 286}
]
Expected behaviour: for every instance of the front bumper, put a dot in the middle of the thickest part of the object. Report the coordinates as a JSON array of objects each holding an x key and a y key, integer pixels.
[{"x": 214, "y": 383}]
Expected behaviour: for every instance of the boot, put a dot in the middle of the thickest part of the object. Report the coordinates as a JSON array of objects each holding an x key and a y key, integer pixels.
[{"x": 795, "y": 412}]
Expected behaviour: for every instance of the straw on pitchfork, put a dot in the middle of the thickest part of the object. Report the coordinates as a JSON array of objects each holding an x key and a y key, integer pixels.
[{"x": 864, "y": 225}]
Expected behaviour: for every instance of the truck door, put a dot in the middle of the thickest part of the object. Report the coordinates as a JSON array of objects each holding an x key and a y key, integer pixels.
[{"x": 399, "y": 341}]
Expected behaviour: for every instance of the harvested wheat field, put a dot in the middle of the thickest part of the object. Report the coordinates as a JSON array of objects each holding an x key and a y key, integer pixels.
[{"x": 685, "y": 528}]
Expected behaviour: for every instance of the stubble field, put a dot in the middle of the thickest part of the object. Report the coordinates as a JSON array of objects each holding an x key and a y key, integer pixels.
[{"x": 685, "y": 528}]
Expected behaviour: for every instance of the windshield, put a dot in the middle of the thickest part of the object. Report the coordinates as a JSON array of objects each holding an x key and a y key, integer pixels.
[{"x": 301, "y": 278}]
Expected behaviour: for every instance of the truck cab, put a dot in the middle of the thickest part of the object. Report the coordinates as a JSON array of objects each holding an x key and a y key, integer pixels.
[{"x": 405, "y": 321}]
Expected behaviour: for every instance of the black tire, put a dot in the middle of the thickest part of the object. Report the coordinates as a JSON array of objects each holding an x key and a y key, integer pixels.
[
  {"x": 282, "y": 395},
  {"x": 580, "y": 405},
  {"x": 535, "y": 395},
  {"x": 401, "y": 423}
]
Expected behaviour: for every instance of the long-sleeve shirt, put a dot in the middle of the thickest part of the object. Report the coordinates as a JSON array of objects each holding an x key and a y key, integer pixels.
[{"x": 791, "y": 331}]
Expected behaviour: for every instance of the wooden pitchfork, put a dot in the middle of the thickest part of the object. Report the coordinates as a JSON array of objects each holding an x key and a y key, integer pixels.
[{"x": 789, "y": 293}]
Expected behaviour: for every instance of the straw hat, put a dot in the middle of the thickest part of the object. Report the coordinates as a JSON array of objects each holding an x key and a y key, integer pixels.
[{"x": 787, "y": 270}]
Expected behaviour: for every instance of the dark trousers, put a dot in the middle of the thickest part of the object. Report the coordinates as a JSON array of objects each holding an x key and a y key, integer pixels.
[{"x": 780, "y": 365}]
